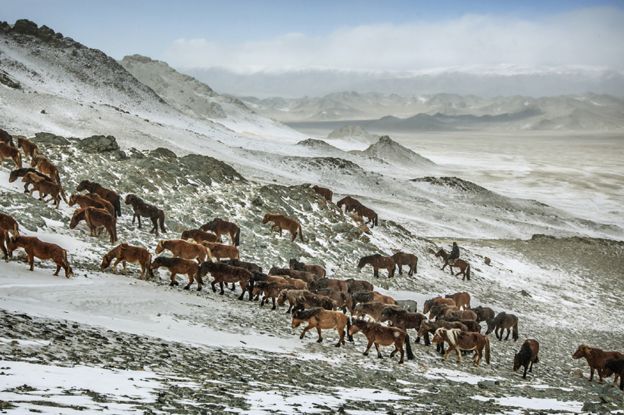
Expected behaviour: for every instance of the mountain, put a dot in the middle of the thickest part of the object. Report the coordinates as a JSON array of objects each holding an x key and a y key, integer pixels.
[
  {"x": 351, "y": 132},
  {"x": 392, "y": 152},
  {"x": 488, "y": 81}
]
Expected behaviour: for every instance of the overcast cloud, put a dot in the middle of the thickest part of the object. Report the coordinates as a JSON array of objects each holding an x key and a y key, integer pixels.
[{"x": 587, "y": 37}]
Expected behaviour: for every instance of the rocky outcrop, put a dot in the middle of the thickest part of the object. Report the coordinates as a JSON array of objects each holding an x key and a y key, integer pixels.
[{"x": 98, "y": 144}]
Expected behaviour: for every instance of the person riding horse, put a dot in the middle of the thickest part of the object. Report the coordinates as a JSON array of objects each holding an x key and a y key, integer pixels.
[{"x": 454, "y": 254}]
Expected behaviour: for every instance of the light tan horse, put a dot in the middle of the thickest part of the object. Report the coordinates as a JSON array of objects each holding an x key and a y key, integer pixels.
[{"x": 283, "y": 222}]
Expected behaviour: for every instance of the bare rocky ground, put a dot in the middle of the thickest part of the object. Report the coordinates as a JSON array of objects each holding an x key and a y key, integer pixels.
[{"x": 565, "y": 291}]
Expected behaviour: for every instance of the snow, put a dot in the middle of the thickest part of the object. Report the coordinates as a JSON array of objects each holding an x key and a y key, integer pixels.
[
  {"x": 456, "y": 376},
  {"x": 536, "y": 403}
]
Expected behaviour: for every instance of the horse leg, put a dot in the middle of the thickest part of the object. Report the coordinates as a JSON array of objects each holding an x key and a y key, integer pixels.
[
  {"x": 531, "y": 367},
  {"x": 376, "y": 272},
  {"x": 155, "y": 228},
  {"x": 318, "y": 330},
  {"x": 525, "y": 371},
  {"x": 221, "y": 286},
  {"x": 274, "y": 305},
  {"x": 125, "y": 269},
  {"x": 448, "y": 351},
  {"x": 378, "y": 352},
  {"x": 305, "y": 330},
  {"x": 341, "y": 335},
  {"x": 396, "y": 349},
  {"x": 214, "y": 290},
  {"x": 117, "y": 261},
  {"x": 173, "y": 279},
  {"x": 400, "y": 269},
  {"x": 591, "y": 373},
  {"x": 242, "y": 285},
  {"x": 188, "y": 286},
  {"x": 139, "y": 219},
  {"x": 58, "y": 268},
  {"x": 508, "y": 333},
  {"x": 370, "y": 344},
  {"x": 458, "y": 355}
]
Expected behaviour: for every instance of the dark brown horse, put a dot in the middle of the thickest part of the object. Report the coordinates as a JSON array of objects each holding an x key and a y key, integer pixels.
[
  {"x": 371, "y": 296},
  {"x": 30, "y": 149},
  {"x": 179, "y": 266},
  {"x": 223, "y": 273},
  {"x": 437, "y": 301},
  {"x": 377, "y": 261},
  {"x": 502, "y": 322},
  {"x": 484, "y": 313},
  {"x": 527, "y": 355},
  {"x": 199, "y": 236},
  {"x": 464, "y": 267},
  {"x": 369, "y": 214},
  {"x": 6, "y": 138},
  {"x": 358, "y": 285},
  {"x": 596, "y": 359},
  {"x": 617, "y": 367},
  {"x": 411, "y": 260},
  {"x": 430, "y": 327},
  {"x": 107, "y": 194},
  {"x": 349, "y": 204},
  {"x": 403, "y": 319},
  {"x": 324, "y": 192},
  {"x": 17, "y": 173},
  {"x": 12, "y": 153},
  {"x": 222, "y": 227},
  {"x": 381, "y": 335},
  {"x": 45, "y": 188},
  {"x": 93, "y": 200},
  {"x": 300, "y": 266},
  {"x": 157, "y": 216}
]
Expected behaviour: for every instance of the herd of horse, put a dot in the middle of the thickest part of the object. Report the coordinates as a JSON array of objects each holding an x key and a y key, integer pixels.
[{"x": 348, "y": 306}]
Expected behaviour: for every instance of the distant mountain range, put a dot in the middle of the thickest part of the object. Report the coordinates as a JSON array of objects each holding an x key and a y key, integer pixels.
[{"x": 391, "y": 112}]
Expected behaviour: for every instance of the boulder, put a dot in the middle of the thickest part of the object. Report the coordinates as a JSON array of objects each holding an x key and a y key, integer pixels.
[
  {"x": 49, "y": 138},
  {"x": 98, "y": 144}
]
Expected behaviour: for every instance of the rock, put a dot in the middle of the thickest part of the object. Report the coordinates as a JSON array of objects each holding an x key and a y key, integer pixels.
[
  {"x": 524, "y": 293},
  {"x": 26, "y": 27},
  {"x": 98, "y": 144},
  {"x": 488, "y": 384},
  {"x": 487, "y": 260},
  {"x": 49, "y": 138},
  {"x": 6, "y": 80},
  {"x": 163, "y": 153}
]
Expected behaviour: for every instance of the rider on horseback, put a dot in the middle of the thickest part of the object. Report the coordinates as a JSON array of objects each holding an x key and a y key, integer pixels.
[{"x": 454, "y": 253}]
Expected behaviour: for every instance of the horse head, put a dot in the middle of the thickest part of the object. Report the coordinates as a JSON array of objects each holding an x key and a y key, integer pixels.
[
  {"x": 160, "y": 247},
  {"x": 491, "y": 325},
  {"x": 582, "y": 351}
]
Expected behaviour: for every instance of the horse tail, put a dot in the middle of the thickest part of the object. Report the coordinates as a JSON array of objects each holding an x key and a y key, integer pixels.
[
  {"x": 349, "y": 336},
  {"x": 18, "y": 160},
  {"x": 118, "y": 206},
  {"x": 63, "y": 194},
  {"x": 300, "y": 233},
  {"x": 16, "y": 229},
  {"x": 237, "y": 237},
  {"x": 161, "y": 220},
  {"x": 376, "y": 220},
  {"x": 468, "y": 272},
  {"x": 408, "y": 347},
  {"x": 515, "y": 331}
]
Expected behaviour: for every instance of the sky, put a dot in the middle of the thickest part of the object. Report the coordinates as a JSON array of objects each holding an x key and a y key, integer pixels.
[{"x": 399, "y": 35}]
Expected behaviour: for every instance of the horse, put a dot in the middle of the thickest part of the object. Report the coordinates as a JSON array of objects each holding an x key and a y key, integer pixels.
[
  {"x": 157, "y": 216},
  {"x": 461, "y": 315},
  {"x": 501, "y": 322},
  {"x": 437, "y": 311},
  {"x": 349, "y": 203},
  {"x": 92, "y": 200},
  {"x": 617, "y": 366},
  {"x": 6, "y": 138},
  {"x": 484, "y": 313},
  {"x": 302, "y": 299},
  {"x": 371, "y": 296},
  {"x": 45, "y": 188},
  {"x": 378, "y": 334},
  {"x": 526, "y": 356},
  {"x": 324, "y": 192},
  {"x": 184, "y": 249},
  {"x": 128, "y": 253},
  {"x": 30, "y": 149},
  {"x": 458, "y": 340},
  {"x": 300, "y": 266},
  {"x": 96, "y": 218},
  {"x": 411, "y": 260},
  {"x": 377, "y": 261},
  {"x": 283, "y": 222},
  {"x": 198, "y": 236},
  {"x": 105, "y": 193},
  {"x": 179, "y": 266},
  {"x": 36, "y": 248},
  {"x": 17, "y": 173},
  {"x": 371, "y": 309},
  {"x": 402, "y": 319},
  {"x": 596, "y": 359},
  {"x": 358, "y": 285},
  {"x": 46, "y": 167},
  {"x": 9, "y": 152},
  {"x": 293, "y": 273},
  {"x": 330, "y": 283},
  {"x": 462, "y": 299},
  {"x": 271, "y": 286},
  {"x": 369, "y": 214},
  {"x": 221, "y": 227},
  {"x": 430, "y": 327},
  {"x": 343, "y": 300},
  {"x": 437, "y": 301},
  {"x": 464, "y": 267},
  {"x": 249, "y": 266},
  {"x": 9, "y": 224},
  {"x": 319, "y": 318},
  {"x": 225, "y": 273}
]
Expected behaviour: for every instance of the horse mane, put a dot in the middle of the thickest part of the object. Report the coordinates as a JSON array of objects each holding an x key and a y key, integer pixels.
[{"x": 307, "y": 314}]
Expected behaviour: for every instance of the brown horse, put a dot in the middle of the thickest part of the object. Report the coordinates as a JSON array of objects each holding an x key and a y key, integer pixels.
[
  {"x": 319, "y": 318},
  {"x": 199, "y": 236},
  {"x": 91, "y": 200},
  {"x": 411, "y": 260},
  {"x": 4, "y": 237},
  {"x": 459, "y": 315},
  {"x": 617, "y": 367},
  {"x": 36, "y": 248},
  {"x": 45, "y": 188},
  {"x": 526, "y": 356},
  {"x": 6, "y": 138},
  {"x": 462, "y": 299},
  {"x": 377, "y": 261},
  {"x": 9, "y": 224},
  {"x": 464, "y": 267},
  {"x": 371, "y": 296},
  {"x": 371, "y": 309},
  {"x": 380, "y": 335},
  {"x": 142, "y": 209},
  {"x": 596, "y": 359},
  {"x": 11, "y": 153},
  {"x": 110, "y": 195},
  {"x": 97, "y": 218},
  {"x": 302, "y": 299},
  {"x": 184, "y": 249},
  {"x": 369, "y": 214},
  {"x": 430, "y": 327},
  {"x": 30, "y": 149},
  {"x": 223, "y": 273},
  {"x": 458, "y": 340},
  {"x": 293, "y": 273},
  {"x": 330, "y": 283},
  {"x": 219, "y": 251},
  {"x": 300, "y": 266},
  {"x": 502, "y": 322},
  {"x": 402, "y": 319},
  {"x": 179, "y": 266},
  {"x": 128, "y": 253},
  {"x": 17, "y": 173},
  {"x": 354, "y": 285},
  {"x": 283, "y": 222},
  {"x": 437, "y": 311},
  {"x": 324, "y": 192},
  {"x": 222, "y": 227},
  {"x": 437, "y": 301},
  {"x": 484, "y": 313},
  {"x": 349, "y": 204},
  {"x": 46, "y": 167}
]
